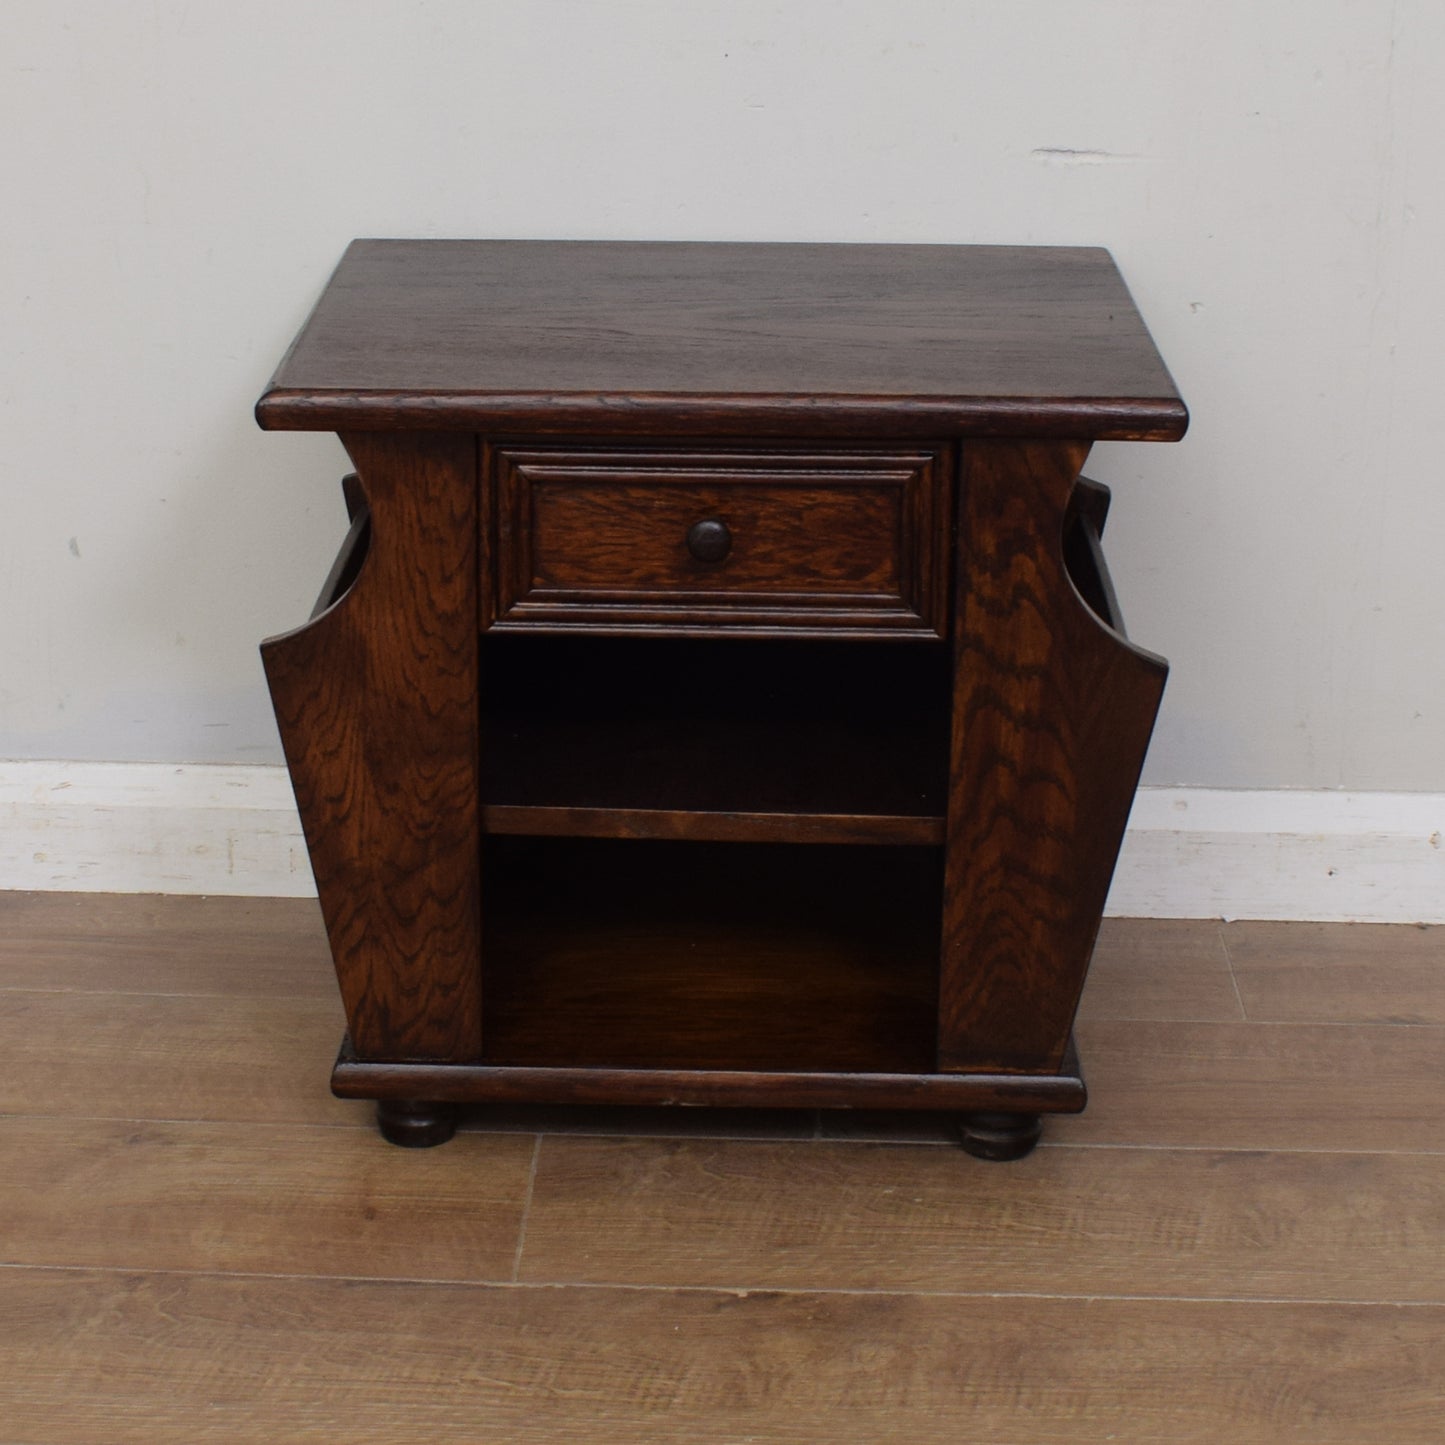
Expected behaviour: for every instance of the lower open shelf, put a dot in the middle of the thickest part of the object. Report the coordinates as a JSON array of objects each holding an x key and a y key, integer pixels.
[
  {"x": 641, "y": 954},
  {"x": 759, "y": 975}
]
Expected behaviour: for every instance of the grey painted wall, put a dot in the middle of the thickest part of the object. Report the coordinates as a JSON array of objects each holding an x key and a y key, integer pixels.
[{"x": 180, "y": 178}]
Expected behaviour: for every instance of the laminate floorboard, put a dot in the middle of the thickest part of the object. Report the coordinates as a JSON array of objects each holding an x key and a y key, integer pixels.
[
  {"x": 1262, "y": 1086},
  {"x": 164, "y": 1358},
  {"x": 1157, "y": 1222},
  {"x": 628, "y": 1120},
  {"x": 172, "y": 1056},
  {"x": 252, "y": 1198},
  {"x": 1237, "y": 1242},
  {"x": 1151, "y": 968},
  {"x": 1357, "y": 973},
  {"x": 1233, "y": 1086},
  {"x": 153, "y": 943}
]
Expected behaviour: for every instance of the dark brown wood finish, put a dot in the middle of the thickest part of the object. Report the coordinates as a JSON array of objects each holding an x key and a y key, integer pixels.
[
  {"x": 656, "y": 338},
  {"x": 635, "y": 954},
  {"x": 1059, "y": 1093},
  {"x": 376, "y": 700},
  {"x": 799, "y": 542},
  {"x": 347, "y": 566},
  {"x": 1084, "y": 552},
  {"x": 612, "y": 642},
  {"x": 1001, "y": 1137},
  {"x": 710, "y": 827},
  {"x": 410, "y": 1124},
  {"x": 1052, "y": 715}
]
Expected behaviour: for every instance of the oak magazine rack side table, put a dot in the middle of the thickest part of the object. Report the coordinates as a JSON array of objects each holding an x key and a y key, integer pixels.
[{"x": 720, "y": 697}]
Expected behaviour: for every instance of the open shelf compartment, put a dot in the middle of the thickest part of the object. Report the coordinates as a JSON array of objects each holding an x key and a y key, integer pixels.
[
  {"x": 729, "y": 740},
  {"x": 652, "y": 955}
]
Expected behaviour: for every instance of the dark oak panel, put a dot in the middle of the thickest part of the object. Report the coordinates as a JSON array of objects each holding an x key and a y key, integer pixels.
[
  {"x": 802, "y": 540},
  {"x": 376, "y": 700},
  {"x": 742, "y": 339},
  {"x": 1052, "y": 714}
]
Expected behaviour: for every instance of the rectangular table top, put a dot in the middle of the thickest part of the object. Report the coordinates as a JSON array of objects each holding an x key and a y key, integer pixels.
[{"x": 726, "y": 338}]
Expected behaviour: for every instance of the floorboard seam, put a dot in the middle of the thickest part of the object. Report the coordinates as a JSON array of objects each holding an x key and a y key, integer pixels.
[
  {"x": 735, "y": 1291},
  {"x": 366, "y": 1126},
  {"x": 1233, "y": 977},
  {"x": 526, "y": 1209}
]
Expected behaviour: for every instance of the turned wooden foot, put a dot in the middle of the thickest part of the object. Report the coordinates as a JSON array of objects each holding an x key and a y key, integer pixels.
[
  {"x": 999, "y": 1136},
  {"x": 414, "y": 1124}
]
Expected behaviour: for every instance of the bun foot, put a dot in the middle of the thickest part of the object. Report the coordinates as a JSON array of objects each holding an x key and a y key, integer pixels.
[
  {"x": 999, "y": 1136},
  {"x": 413, "y": 1124}
]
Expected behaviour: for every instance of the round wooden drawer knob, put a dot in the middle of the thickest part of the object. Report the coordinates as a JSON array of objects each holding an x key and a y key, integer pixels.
[{"x": 709, "y": 540}]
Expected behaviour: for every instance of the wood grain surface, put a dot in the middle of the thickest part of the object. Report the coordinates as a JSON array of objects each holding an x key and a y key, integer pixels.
[
  {"x": 172, "y": 1056},
  {"x": 1113, "y": 1221},
  {"x": 253, "y": 1199},
  {"x": 447, "y": 367},
  {"x": 159, "y": 944},
  {"x": 376, "y": 701},
  {"x": 1160, "y": 968},
  {"x": 752, "y": 339},
  {"x": 704, "y": 1087},
  {"x": 1052, "y": 713},
  {"x": 633, "y": 954},
  {"x": 735, "y": 826},
  {"x": 1265, "y": 1086},
  {"x": 1363, "y": 973},
  {"x": 1237, "y": 1243},
  {"x": 843, "y": 539},
  {"x": 101, "y": 1357}
]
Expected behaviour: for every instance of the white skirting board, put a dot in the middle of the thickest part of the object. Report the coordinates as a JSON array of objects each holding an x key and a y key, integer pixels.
[
  {"x": 1189, "y": 853},
  {"x": 151, "y": 828}
]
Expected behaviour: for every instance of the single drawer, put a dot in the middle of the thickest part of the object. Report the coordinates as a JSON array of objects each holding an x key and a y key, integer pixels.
[{"x": 785, "y": 542}]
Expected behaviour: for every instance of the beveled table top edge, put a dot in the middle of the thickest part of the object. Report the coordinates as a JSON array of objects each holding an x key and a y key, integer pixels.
[{"x": 700, "y": 414}]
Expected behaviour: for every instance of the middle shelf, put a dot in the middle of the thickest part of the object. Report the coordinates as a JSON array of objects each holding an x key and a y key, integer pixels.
[{"x": 718, "y": 740}]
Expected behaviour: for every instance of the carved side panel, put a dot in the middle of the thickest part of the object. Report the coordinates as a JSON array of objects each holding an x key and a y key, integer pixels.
[
  {"x": 376, "y": 703},
  {"x": 1052, "y": 714}
]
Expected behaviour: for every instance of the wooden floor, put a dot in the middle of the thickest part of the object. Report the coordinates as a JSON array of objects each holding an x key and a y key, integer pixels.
[{"x": 1242, "y": 1240}]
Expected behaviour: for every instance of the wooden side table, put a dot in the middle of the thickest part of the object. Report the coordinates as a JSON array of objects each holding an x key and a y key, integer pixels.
[{"x": 720, "y": 697}]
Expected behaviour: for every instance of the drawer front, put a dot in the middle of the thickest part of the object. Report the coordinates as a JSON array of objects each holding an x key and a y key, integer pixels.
[{"x": 785, "y": 542}]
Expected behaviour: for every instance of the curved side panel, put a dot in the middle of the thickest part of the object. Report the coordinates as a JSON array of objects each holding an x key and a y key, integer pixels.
[
  {"x": 375, "y": 699},
  {"x": 1052, "y": 714}
]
